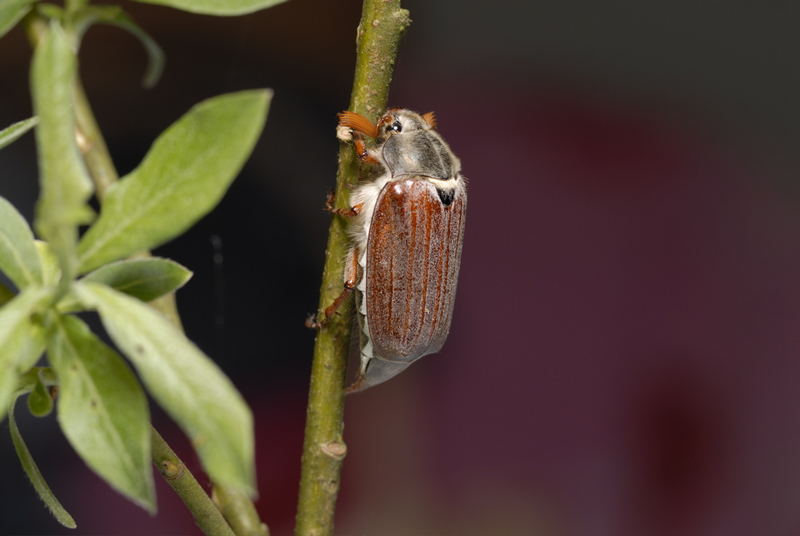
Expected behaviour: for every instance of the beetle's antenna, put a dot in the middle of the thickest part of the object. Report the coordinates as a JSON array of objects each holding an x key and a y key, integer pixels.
[{"x": 359, "y": 123}]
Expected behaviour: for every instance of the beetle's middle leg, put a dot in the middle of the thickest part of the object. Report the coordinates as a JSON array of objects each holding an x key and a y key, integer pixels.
[
  {"x": 344, "y": 212},
  {"x": 363, "y": 154},
  {"x": 350, "y": 282}
]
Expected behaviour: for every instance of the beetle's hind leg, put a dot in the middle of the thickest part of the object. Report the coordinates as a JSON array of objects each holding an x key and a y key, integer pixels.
[{"x": 350, "y": 282}]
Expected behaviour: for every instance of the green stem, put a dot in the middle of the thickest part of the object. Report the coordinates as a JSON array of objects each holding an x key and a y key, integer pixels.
[
  {"x": 382, "y": 24},
  {"x": 181, "y": 480},
  {"x": 92, "y": 145},
  {"x": 239, "y": 511}
]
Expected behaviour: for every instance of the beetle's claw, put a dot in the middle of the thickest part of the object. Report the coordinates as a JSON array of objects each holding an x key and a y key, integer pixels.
[
  {"x": 312, "y": 322},
  {"x": 329, "y": 202}
]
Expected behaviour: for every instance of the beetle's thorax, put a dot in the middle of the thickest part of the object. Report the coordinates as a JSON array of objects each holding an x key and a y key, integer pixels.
[{"x": 419, "y": 153}]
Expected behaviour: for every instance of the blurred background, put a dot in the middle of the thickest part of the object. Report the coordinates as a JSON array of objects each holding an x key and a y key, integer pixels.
[{"x": 623, "y": 356}]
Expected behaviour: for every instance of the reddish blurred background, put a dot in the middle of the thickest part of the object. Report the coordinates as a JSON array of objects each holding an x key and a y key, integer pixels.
[{"x": 623, "y": 356}]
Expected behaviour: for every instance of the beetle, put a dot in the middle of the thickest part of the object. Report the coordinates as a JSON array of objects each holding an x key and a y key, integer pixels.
[{"x": 407, "y": 229}]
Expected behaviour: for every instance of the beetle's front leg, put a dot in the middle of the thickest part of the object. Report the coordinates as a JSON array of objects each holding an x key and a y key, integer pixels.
[
  {"x": 350, "y": 282},
  {"x": 353, "y": 127}
]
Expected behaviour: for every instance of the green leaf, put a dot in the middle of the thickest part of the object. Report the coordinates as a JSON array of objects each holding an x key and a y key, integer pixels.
[
  {"x": 193, "y": 390},
  {"x": 65, "y": 183},
  {"x": 216, "y": 7},
  {"x": 35, "y": 476},
  {"x": 19, "y": 259},
  {"x": 21, "y": 340},
  {"x": 182, "y": 178},
  {"x": 115, "y": 16},
  {"x": 11, "y": 133},
  {"x": 102, "y": 410},
  {"x": 11, "y": 12},
  {"x": 145, "y": 279},
  {"x": 40, "y": 403}
]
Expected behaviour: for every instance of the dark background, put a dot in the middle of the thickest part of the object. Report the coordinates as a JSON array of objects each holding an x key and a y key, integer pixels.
[{"x": 624, "y": 353}]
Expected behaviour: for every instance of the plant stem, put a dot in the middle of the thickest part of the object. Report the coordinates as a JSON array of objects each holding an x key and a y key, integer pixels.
[
  {"x": 238, "y": 511},
  {"x": 382, "y": 24},
  {"x": 92, "y": 145},
  {"x": 181, "y": 480}
]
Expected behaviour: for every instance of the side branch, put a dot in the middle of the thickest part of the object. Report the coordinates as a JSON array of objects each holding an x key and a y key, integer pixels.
[
  {"x": 379, "y": 31},
  {"x": 204, "y": 512}
]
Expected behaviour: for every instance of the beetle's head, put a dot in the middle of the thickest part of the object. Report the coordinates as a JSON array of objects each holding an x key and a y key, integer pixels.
[{"x": 399, "y": 120}]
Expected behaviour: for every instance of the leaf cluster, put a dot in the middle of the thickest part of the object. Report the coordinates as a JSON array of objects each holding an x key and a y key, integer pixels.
[{"x": 60, "y": 272}]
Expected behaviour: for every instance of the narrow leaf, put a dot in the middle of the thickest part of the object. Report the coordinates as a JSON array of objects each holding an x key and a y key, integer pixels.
[
  {"x": 102, "y": 410},
  {"x": 182, "y": 178},
  {"x": 216, "y": 7},
  {"x": 11, "y": 12},
  {"x": 21, "y": 340},
  {"x": 115, "y": 16},
  {"x": 65, "y": 183},
  {"x": 19, "y": 259},
  {"x": 145, "y": 279},
  {"x": 35, "y": 476},
  {"x": 11, "y": 133},
  {"x": 193, "y": 390}
]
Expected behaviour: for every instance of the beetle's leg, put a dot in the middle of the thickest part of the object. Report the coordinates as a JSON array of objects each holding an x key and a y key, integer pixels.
[
  {"x": 362, "y": 152},
  {"x": 343, "y": 212},
  {"x": 358, "y": 123},
  {"x": 353, "y": 127},
  {"x": 430, "y": 118},
  {"x": 350, "y": 282}
]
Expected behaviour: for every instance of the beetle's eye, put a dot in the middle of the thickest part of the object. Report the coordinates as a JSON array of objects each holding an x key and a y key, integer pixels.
[{"x": 396, "y": 126}]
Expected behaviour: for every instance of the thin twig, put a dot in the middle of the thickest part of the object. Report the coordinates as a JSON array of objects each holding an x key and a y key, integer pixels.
[
  {"x": 181, "y": 480},
  {"x": 92, "y": 145},
  {"x": 238, "y": 511},
  {"x": 382, "y": 24}
]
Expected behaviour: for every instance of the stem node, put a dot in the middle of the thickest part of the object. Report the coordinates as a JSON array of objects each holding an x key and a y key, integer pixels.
[{"x": 334, "y": 449}]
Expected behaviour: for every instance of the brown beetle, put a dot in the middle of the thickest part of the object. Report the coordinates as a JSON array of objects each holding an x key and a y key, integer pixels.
[{"x": 407, "y": 227}]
